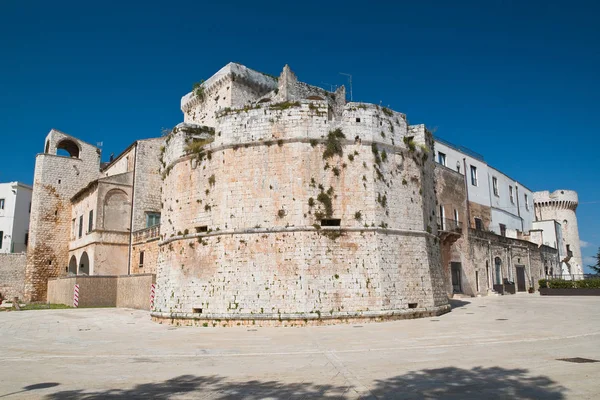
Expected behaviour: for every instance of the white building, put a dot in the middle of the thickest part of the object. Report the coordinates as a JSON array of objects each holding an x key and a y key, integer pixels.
[
  {"x": 15, "y": 208},
  {"x": 496, "y": 202}
]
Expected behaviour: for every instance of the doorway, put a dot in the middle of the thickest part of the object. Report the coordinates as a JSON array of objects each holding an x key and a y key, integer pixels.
[
  {"x": 455, "y": 267},
  {"x": 521, "y": 278}
]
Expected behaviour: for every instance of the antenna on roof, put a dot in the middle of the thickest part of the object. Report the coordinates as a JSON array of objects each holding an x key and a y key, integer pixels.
[{"x": 349, "y": 82}]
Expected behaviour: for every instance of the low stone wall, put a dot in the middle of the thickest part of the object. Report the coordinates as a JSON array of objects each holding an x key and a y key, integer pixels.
[
  {"x": 12, "y": 274},
  {"x": 129, "y": 291},
  {"x": 133, "y": 291}
]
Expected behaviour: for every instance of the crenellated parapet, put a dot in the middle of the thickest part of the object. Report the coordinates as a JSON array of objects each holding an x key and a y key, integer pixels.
[{"x": 559, "y": 199}]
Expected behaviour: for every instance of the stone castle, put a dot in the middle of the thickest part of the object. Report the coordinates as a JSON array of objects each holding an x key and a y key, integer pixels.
[{"x": 273, "y": 201}]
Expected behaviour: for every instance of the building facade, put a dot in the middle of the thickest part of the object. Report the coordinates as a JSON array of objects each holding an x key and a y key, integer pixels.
[
  {"x": 275, "y": 200},
  {"x": 15, "y": 210}
]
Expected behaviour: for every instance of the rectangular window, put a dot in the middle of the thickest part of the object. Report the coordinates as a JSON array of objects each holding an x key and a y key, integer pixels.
[
  {"x": 502, "y": 230},
  {"x": 152, "y": 219},
  {"x": 73, "y": 229},
  {"x": 330, "y": 222},
  {"x": 511, "y": 195},
  {"x": 141, "y": 259},
  {"x": 478, "y": 224},
  {"x": 1, "y": 238},
  {"x": 442, "y": 158},
  {"x": 91, "y": 221},
  {"x": 495, "y": 185},
  {"x": 526, "y": 202},
  {"x": 1, "y": 204},
  {"x": 80, "y": 225},
  {"x": 473, "y": 175}
]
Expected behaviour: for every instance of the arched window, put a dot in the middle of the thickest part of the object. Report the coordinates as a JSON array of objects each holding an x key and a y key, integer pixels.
[
  {"x": 73, "y": 265},
  {"x": 67, "y": 148},
  {"x": 84, "y": 264},
  {"x": 498, "y": 270}
]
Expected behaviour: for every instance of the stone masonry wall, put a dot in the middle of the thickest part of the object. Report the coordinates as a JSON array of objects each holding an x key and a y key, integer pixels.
[
  {"x": 12, "y": 275},
  {"x": 240, "y": 227},
  {"x": 56, "y": 180}
]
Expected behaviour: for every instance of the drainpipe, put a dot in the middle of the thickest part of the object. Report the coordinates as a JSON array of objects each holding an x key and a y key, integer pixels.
[
  {"x": 131, "y": 211},
  {"x": 519, "y": 209},
  {"x": 467, "y": 192}
]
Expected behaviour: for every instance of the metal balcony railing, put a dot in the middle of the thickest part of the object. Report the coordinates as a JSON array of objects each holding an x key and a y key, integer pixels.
[
  {"x": 146, "y": 234},
  {"x": 449, "y": 225}
]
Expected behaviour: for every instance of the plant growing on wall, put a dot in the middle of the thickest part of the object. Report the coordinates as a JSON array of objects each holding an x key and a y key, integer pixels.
[
  {"x": 333, "y": 144},
  {"x": 198, "y": 89}
]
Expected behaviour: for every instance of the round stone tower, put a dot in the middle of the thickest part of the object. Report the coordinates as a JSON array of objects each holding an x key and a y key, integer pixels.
[
  {"x": 560, "y": 205},
  {"x": 295, "y": 207}
]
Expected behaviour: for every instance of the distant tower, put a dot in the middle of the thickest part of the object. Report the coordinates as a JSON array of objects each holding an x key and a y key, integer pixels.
[
  {"x": 58, "y": 176},
  {"x": 560, "y": 205}
]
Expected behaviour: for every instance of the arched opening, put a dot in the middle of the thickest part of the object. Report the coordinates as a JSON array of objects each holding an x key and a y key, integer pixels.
[
  {"x": 67, "y": 148},
  {"x": 72, "y": 266},
  {"x": 498, "y": 270},
  {"x": 84, "y": 264},
  {"x": 47, "y": 148},
  {"x": 116, "y": 211}
]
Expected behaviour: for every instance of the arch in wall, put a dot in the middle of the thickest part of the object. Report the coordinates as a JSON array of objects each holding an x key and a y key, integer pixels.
[
  {"x": 497, "y": 271},
  {"x": 73, "y": 265},
  {"x": 116, "y": 211},
  {"x": 84, "y": 264},
  {"x": 47, "y": 148},
  {"x": 68, "y": 146}
]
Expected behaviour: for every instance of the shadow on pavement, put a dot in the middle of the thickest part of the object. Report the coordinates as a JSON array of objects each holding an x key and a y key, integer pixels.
[
  {"x": 455, "y": 303},
  {"x": 443, "y": 383}
]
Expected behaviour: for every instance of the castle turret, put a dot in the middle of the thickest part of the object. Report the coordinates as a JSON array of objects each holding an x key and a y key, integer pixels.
[
  {"x": 560, "y": 205},
  {"x": 66, "y": 166}
]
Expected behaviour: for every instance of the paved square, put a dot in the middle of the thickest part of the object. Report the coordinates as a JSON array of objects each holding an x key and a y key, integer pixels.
[{"x": 486, "y": 348}]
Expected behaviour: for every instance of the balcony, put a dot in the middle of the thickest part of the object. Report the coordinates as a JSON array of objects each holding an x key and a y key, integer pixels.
[
  {"x": 449, "y": 230},
  {"x": 147, "y": 234}
]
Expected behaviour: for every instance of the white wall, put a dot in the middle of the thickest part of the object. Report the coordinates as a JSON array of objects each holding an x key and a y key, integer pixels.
[
  {"x": 14, "y": 218},
  {"x": 515, "y": 214},
  {"x": 478, "y": 194}
]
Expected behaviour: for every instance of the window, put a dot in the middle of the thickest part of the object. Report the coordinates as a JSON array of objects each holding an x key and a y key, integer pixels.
[
  {"x": 455, "y": 215},
  {"x": 495, "y": 185},
  {"x": 152, "y": 219},
  {"x": 442, "y": 218},
  {"x": 502, "y": 230},
  {"x": 80, "y": 225},
  {"x": 330, "y": 222},
  {"x": 73, "y": 229},
  {"x": 1, "y": 237},
  {"x": 1, "y": 204},
  {"x": 91, "y": 221},
  {"x": 478, "y": 224},
  {"x": 511, "y": 195},
  {"x": 141, "y": 259},
  {"x": 442, "y": 158},
  {"x": 473, "y": 175},
  {"x": 526, "y": 202}
]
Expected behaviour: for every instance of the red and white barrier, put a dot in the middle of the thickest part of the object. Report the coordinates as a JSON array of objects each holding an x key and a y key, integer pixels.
[
  {"x": 152, "y": 289},
  {"x": 76, "y": 296}
]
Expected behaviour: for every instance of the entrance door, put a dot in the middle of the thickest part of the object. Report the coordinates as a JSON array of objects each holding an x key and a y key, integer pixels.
[
  {"x": 521, "y": 278},
  {"x": 456, "y": 267}
]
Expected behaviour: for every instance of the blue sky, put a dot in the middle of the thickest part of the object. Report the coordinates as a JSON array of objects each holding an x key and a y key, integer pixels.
[{"x": 515, "y": 81}]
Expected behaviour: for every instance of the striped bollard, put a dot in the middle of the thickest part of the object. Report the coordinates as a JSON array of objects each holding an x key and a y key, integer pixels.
[
  {"x": 152, "y": 288},
  {"x": 76, "y": 296}
]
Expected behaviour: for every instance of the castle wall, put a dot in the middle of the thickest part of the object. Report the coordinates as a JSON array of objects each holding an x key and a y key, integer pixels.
[
  {"x": 241, "y": 230},
  {"x": 56, "y": 180},
  {"x": 12, "y": 275},
  {"x": 150, "y": 249}
]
